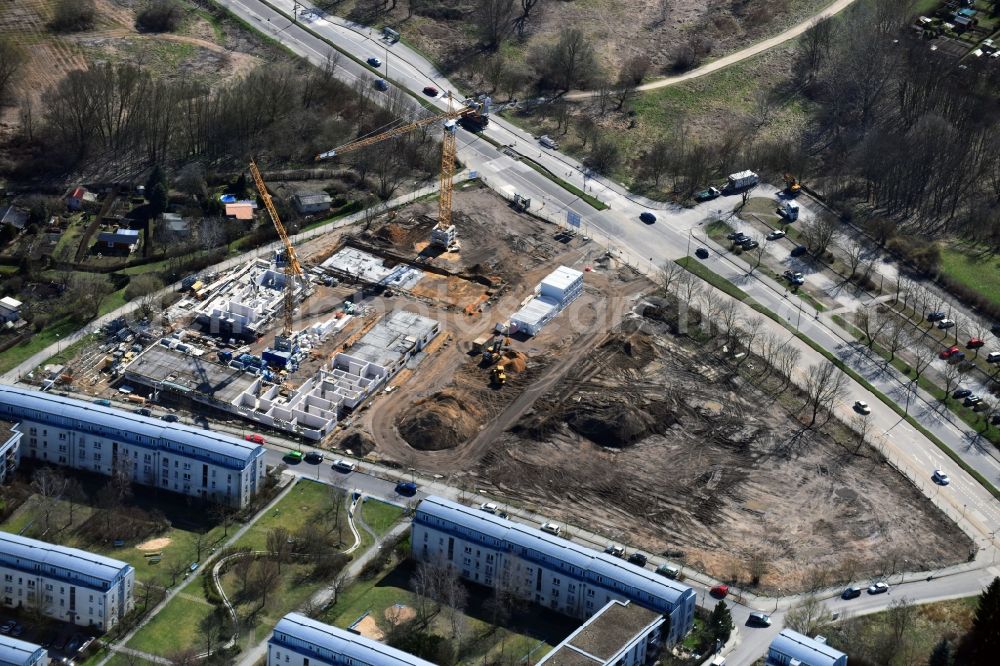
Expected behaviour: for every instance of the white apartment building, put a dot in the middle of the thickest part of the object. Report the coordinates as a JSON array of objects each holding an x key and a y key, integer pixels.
[
  {"x": 301, "y": 641},
  {"x": 539, "y": 567},
  {"x": 14, "y": 652},
  {"x": 65, "y": 583},
  {"x": 10, "y": 450},
  {"x": 172, "y": 456}
]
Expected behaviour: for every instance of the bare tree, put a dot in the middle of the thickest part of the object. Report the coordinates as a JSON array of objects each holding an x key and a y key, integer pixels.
[
  {"x": 756, "y": 255},
  {"x": 825, "y": 384},
  {"x": 668, "y": 275},
  {"x": 12, "y": 58},
  {"x": 279, "y": 545},
  {"x": 568, "y": 62},
  {"x": 689, "y": 286},
  {"x": 861, "y": 424},
  {"x": 786, "y": 360},
  {"x": 814, "y": 49},
  {"x": 520, "y": 23},
  {"x": 818, "y": 233},
  {"x": 632, "y": 73},
  {"x": 265, "y": 578},
  {"x": 921, "y": 356},
  {"x": 951, "y": 374},
  {"x": 494, "y": 20},
  {"x": 808, "y": 616},
  {"x": 241, "y": 567},
  {"x": 854, "y": 253},
  {"x": 729, "y": 318},
  {"x": 871, "y": 321},
  {"x": 183, "y": 657},
  {"x": 893, "y": 337},
  {"x": 49, "y": 484}
]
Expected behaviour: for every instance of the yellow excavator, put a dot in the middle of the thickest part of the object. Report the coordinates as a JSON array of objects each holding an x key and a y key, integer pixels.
[
  {"x": 792, "y": 184},
  {"x": 498, "y": 375}
]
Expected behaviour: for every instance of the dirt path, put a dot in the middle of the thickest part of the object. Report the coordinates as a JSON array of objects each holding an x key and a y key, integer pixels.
[{"x": 733, "y": 58}]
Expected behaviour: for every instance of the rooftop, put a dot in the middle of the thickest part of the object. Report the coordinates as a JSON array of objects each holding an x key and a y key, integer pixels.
[
  {"x": 392, "y": 338},
  {"x": 357, "y": 263},
  {"x": 571, "y": 553},
  {"x": 10, "y": 303},
  {"x": 807, "y": 650},
  {"x": 15, "y": 217},
  {"x": 603, "y": 635},
  {"x": 562, "y": 277},
  {"x": 535, "y": 310},
  {"x": 190, "y": 373},
  {"x": 342, "y": 642},
  {"x": 307, "y": 198},
  {"x": 72, "y": 559},
  {"x": 14, "y": 652},
  {"x": 29, "y": 400}
]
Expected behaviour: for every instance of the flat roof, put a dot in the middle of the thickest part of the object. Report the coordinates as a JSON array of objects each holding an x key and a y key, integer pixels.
[
  {"x": 562, "y": 277},
  {"x": 805, "y": 649},
  {"x": 535, "y": 310},
  {"x": 71, "y": 559},
  {"x": 569, "y": 552},
  {"x": 14, "y": 652},
  {"x": 23, "y": 401},
  {"x": 343, "y": 642},
  {"x": 391, "y": 338},
  {"x": 602, "y": 636},
  {"x": 196, "y": 374}
]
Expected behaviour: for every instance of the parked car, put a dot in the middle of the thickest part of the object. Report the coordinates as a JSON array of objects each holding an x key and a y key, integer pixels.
[
  {"x": 759, "y": 620},
  {"x": 103, "y": 402},
  {"x": 946, "y": 323},
  {"x": 615, "y": 550},
  {"x": 749, "y": 244},
  {"x": 701, "y": 253},
  {"x": 961, "y": 393},
  {"x": 7, "y": 626},
  {"x": 637, "y": 559},
  {"x": 851, "y": 593},
  {"x": 878, "y": 588},
  {"x": 974, "y": 343},
  {"x": 342, "y": 465},
  {"x": 795, "y": 277},
  {"x": 668, "y": 570},
  {"x": 430, "y": 91},
  {"x": 949, "y": 352},
  {"x": 170, "y": 418},
  {"x": 940, "y": 478},
  {"x": 551, "y": 528},
  {"x": 488, "y": 507},
  {"x": 776, "y": 234},
  {"x": 799, "y": 250},
  {"x": 736, "y": 236},
  {"x": 381, "y": 84},
  {"x": 406, "y": 488},
  {"x": 374, "y": 62},
  {"x": 719, "y": 591},
  {"x": 707, "y": 194},
  {"x": 647, "y": 217},
  {"x": 861, "y": 407},
  {"x": 294, "y": 456},
  {"x": 993, "y": 357},
  {"x": 314, "y": 457},
  {"x": 142, "y": 411},
  {"x": 937, "y": 315},
  {"x": 255, "y": 438},
  {"x": 972, "y": 400}
]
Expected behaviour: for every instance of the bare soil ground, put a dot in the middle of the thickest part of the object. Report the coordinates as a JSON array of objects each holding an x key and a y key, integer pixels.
[{"x": 659, "y": 444}]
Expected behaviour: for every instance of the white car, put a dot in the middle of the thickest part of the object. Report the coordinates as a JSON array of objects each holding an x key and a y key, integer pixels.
[
  {"x": 878, "y": 588},
  {"x": 488, "y": 507},
  {"x": 342, "y": 465},
  {"x": 946, "y": 323},
  {"x": 552, "y": 528},
  {"x": 861, "y": 407},
  {"x": 940, "y": 478},
  {"x": 776, "y": 234}
]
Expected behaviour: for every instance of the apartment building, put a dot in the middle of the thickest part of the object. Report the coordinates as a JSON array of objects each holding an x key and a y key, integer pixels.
[
  {"x": 65, "y": 583},
  {"x": 301, "y": 641},
  {"x": 620, "y": 634},
  {"x": 14, "y": 652},
  {"x": 172, "y": 456},
  {"x": 790, "y": 648},
  {"x": 542, "y": 568}
]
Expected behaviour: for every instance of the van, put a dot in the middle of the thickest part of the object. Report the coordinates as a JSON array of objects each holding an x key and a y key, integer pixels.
[
  {"x": 668, "y": 570},
  {"x": 548, "y": 141}
]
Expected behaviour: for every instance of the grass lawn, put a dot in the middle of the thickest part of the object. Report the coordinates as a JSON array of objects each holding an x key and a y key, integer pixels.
[
  {"x": 181, "y": 547},
  {"x": 931, "y": 622},
  {"x": 981, "y": 275},
  {"x": 176, "y": 626},
  {"x": 115, "y": 300},
  {"x": 300, "y": 507},
  {"x": 380, "y": 516},
  {"x": 36, "y": 343}
]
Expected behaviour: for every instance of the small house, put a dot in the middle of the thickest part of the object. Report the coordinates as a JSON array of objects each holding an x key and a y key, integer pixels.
[
  {"x": 79, "y": 197},
  {"x": 121, "y": 240},
  {"x": 15, "y": 217},
  {"x": 10, "y": 309},
  {"x": 176, "y": 225},
  {"x": 308, "y": 203},
  {"x": 242, "y": 210}
]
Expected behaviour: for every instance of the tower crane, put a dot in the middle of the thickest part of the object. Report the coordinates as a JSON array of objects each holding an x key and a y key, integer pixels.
[
  {"x": 293, "y": 270},
  {"x": 444, "y": 233}
]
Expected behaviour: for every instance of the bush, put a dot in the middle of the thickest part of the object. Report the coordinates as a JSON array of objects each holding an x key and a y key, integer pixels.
[
  {"x": 923, "y": 256},
  {"x": 159, "y": 16},
  {"x": 73, "y": 15}
]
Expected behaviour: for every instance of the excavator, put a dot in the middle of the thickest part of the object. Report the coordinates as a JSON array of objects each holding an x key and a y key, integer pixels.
[
  {"x": 792, "y": 184},
  {"x": 498, "y": 375},
  {"x": 491, "y": 353}
]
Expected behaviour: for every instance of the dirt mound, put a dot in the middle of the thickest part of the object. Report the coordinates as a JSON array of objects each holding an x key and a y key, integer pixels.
[
  {"x": 615, "y": 421},
  {"x": 635, "y": 350},
  {"x": 514, "y": 361},
  {"x": 392, "y": 233},
  {"x": 359, "y": 443},
  {"x": 442, "y": 421}
]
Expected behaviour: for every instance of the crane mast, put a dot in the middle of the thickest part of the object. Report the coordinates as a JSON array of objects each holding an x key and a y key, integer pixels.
[{"x": 293, "y": 270}]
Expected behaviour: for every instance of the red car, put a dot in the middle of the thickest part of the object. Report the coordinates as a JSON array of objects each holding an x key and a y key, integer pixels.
[
  {"x": 720, "y": 591},
  {"x": 431, "y": 91},
  {"x": 255, "y": 438},
  {"x": 974, "y": 343},
  {"x": 949, "y": 352}
]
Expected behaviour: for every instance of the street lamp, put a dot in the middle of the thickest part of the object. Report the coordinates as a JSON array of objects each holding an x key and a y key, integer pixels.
[{"x": 776, "y": 601}]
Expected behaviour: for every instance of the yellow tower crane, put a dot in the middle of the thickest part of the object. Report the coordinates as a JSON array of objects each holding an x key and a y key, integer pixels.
[
  {"x": 293, "y": 270},
  {"x": 444, "y": 232}
]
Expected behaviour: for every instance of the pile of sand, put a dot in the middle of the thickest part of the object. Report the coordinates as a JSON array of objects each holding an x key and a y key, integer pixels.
[
  {"x": 514, "y": 361},
  {"x": 442, "y": 421},
  {"x": 392, "y": 233},
  {"x": 154, "y": 544}
]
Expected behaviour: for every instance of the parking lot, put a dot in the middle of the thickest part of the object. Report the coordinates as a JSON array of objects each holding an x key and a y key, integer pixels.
[{"x": 64, "y": 641}]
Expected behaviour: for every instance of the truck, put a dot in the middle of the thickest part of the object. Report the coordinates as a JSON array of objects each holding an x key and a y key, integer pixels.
[
  {"x": 707, "y": 194},
  {"x": 742, "y": 180},
  {"x": 789, "y": 210},
  {"x": 548, "y": 141}
]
